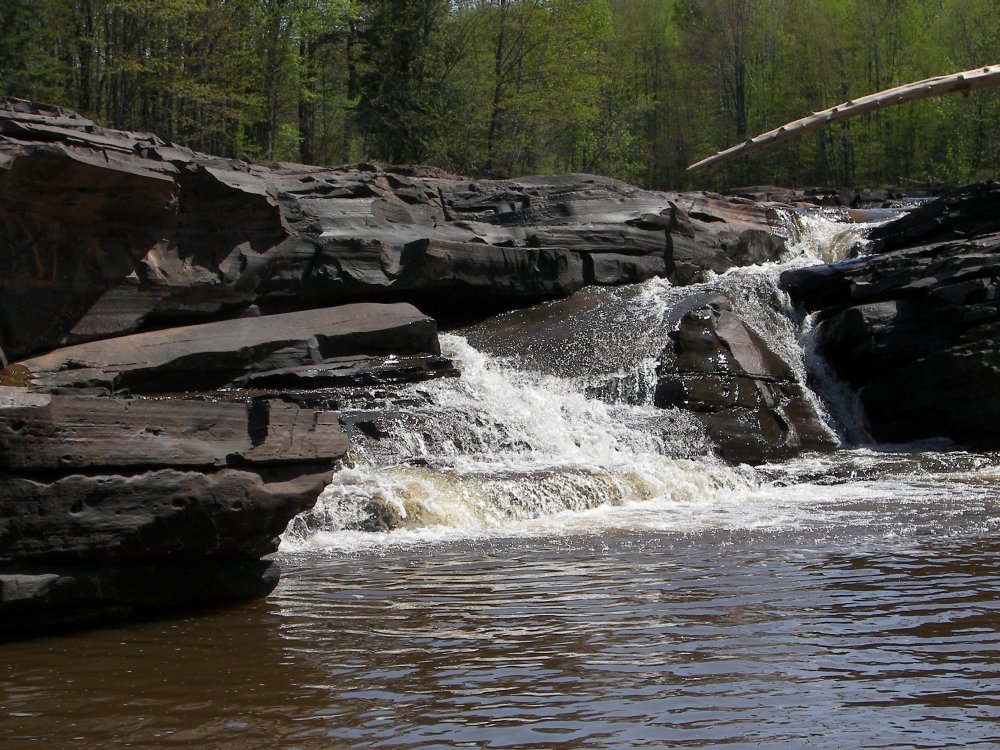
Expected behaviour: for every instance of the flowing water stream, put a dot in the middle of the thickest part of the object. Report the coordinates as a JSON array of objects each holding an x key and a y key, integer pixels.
[{"x": 532, "y": 556}]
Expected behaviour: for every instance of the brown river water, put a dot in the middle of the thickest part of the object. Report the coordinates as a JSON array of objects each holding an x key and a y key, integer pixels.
[{"x": 842, "y": 615}]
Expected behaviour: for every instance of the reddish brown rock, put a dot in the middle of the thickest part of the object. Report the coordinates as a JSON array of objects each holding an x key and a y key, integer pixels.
[
  {"x": 212, "y": 355},
  {"x": 108, "y": 232},
  {"x": 751, "y": 402},
  {"x": 88, "y": 485}
]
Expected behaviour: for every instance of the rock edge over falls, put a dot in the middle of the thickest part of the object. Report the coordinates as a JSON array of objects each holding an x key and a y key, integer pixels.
[
  {"x": 914, "y": 326},
  {"x": 179, "y": 333}
]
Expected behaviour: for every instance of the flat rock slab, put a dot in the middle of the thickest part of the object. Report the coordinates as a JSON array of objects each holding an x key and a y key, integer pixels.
[
  {"x": 354, "y": 372},
  {"x": 211, "y": 355},
  {"x": 41, "y": 432}
]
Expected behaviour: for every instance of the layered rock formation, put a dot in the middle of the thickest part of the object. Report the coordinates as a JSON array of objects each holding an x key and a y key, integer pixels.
[
  {"x": 107, "y": 232},
  {"x": 110, "y": 505},
  {"x": 114, "y": 505},
  {"x": 750, "y": 400},
  {"x": 914, "y": 327},
  {"x": 236, "y": 352}
]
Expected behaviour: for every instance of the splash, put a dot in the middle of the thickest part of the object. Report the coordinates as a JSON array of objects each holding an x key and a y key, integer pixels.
[
  {"x": 538, "y": 437},
  {"x": 499, "y": 449},
  {"x": 822, "y": 239}
]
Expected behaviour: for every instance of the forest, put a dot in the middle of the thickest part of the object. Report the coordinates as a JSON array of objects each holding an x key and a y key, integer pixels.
[{"x": 634, "y": 89}]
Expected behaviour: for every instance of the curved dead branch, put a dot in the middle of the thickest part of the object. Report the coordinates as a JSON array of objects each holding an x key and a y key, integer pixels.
[{"x": 968, "y": 80}]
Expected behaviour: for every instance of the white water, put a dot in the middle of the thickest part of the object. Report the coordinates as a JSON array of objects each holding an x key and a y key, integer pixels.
[
  {"x": 508, "y": 451},
  {"x": 501, "y": 449}
]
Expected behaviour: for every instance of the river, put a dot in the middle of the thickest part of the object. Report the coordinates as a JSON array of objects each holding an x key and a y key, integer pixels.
[{"x": 530, "y": 557}]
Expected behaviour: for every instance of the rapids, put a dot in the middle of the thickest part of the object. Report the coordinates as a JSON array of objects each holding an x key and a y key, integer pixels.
[{"x": 538, "y": 436}]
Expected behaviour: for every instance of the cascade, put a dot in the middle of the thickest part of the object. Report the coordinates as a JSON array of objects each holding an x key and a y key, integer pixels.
[{"x": 542, "y": 432}]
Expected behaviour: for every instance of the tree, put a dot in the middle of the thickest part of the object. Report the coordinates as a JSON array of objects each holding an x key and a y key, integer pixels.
[{"x": 399, "y": 95}]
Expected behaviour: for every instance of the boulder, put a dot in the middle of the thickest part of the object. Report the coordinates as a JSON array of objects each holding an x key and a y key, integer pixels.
[
  {"x": 751, "y": 402},
  {"x": 915, "y": 326},
  {"x": 103, "y": 499},
  {"x": 106, "y": 232}
]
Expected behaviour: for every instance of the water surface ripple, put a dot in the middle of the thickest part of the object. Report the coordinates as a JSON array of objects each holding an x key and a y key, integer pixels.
[{"x": 766, "y": 637}]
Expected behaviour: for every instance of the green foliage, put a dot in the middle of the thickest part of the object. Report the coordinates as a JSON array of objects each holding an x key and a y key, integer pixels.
[{"x": 636, "y": 89}]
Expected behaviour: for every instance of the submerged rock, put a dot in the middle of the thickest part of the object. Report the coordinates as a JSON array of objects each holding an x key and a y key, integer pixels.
[{"x": 915, "y": 327}]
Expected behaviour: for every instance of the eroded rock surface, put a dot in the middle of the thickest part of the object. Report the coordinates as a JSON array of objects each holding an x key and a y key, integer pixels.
[
  {"x": 234, "y": 352},
  {"x": 915, "y": 327},
  {"x": 179, "y": 331},
  {"x": 111, "y": 505},
  {"x": 750, "y": 400},
  {"x": 89, "y": 486},
  {"x": 108, "y": 232}
]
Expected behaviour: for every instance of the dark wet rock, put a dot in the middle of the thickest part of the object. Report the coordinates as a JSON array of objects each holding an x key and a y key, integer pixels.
[
  {"x": 750, "y": 400},
  {"x": 160, "y": 515},
  {"x": 213, "y": 355},
  {"x": 108, "y": 232},
  {"x": 915, "y": 327},
  {"x": 711, "y": 364},
  {"x": 89, "y": 486},
  {"x": 356, "y": 371},
  {"x": 964, "y": 214},
  {"x": 811, "y": 196},
  {"x": 170, "y": 485}
]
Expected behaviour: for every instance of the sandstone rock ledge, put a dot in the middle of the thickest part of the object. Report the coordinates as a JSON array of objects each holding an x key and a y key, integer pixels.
[
  {"x": 105, "y": 232},
  {"x": 915, "y": 326},
  {"x": 113, "y": 505}
]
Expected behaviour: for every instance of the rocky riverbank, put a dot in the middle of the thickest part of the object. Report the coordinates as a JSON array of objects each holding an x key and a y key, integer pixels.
[
  {"x": 186, "y": 339},
  {"x": 180, "y": 332}
]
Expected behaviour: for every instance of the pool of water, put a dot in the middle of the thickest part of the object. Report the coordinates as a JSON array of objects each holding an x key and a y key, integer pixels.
[{"x": 822, "y": 610}]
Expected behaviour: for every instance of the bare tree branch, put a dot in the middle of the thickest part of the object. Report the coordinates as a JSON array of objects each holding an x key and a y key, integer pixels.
[{"x": 966, "y": 81}]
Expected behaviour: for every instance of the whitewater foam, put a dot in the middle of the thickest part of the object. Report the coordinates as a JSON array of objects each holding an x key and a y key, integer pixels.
[{"x": 509, "y": 450}]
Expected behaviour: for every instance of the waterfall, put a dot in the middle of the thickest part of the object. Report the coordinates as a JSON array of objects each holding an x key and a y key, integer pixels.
[
  {"x": 548, "y": 427},
  {"x": 499, "y": 446}
]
